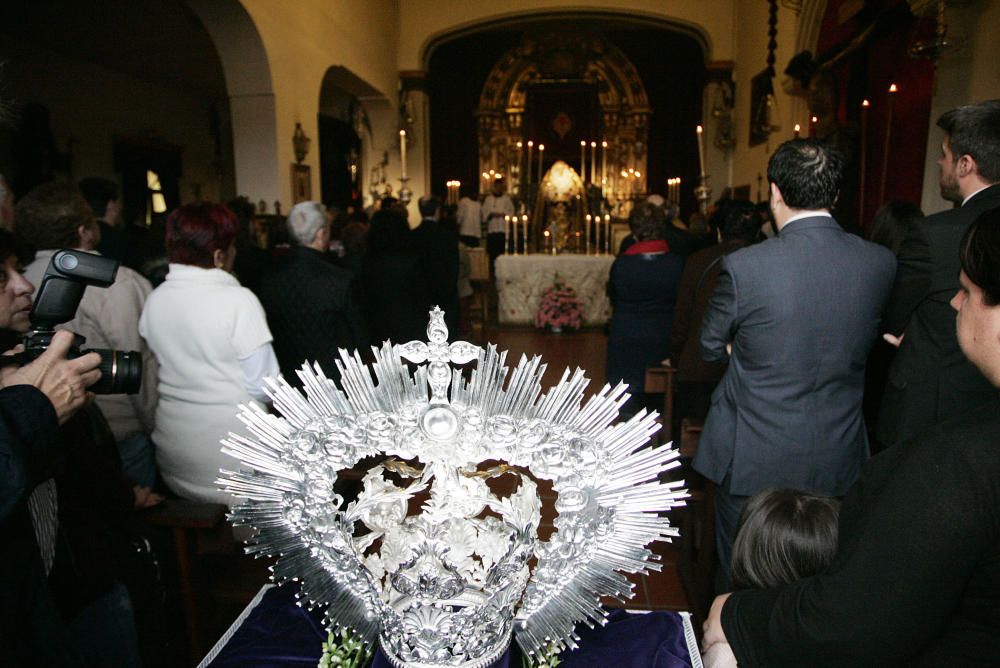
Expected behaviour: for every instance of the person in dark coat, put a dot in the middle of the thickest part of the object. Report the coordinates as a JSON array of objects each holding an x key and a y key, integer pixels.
[
  {"x": 34, "y": 400},
  {"x": 929, "y": 379},
  {"x": 916, "y": 579},
  {"x": 438, "y": 248},
  {"x": 737, "y": 227},
  {"x": 643, "y": 289},
  {"x": 308, "y": 301},
  {"x": 395, "y": 287},
  {"x": 105, "y": 201}
]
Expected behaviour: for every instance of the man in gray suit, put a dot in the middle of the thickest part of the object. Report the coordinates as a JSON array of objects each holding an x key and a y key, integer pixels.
[{"x": 796, "y": 315}]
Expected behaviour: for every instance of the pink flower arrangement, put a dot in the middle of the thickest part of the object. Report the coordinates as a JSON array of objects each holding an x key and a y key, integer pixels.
[{"x": 559, "y": 307}]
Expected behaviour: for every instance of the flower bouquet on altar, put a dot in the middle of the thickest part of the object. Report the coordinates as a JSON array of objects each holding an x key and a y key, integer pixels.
[{"x": 559, "y": 307}]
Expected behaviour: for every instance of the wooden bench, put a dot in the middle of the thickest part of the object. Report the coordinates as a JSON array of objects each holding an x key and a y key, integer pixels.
[{"x": 187, "y": 521}]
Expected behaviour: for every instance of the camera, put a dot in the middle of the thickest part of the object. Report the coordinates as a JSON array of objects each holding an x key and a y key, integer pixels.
[{"x": 67, "y": 276}]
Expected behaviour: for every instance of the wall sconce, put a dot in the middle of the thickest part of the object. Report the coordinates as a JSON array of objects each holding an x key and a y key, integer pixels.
[
  {"x": 722, "y": 112},
  {"x": 300, "y": 142}
]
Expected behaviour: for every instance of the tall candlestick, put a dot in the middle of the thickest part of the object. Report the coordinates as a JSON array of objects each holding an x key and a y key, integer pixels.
[
  {"x": 402, "y": 152},
  {"x": 607, "y": 233},
  {"x": 701, "y": 149},
  {"x": 541, "y": 157},
  {"x": 888, "y": 142},
  {"x": 545, "y": 245},
  {"x": 593, "y": 162},
  {"x": 524, "y": 233},
  {"x": 604, "y": 165},
  {"x": 528, "y": 179},
  {"x": 862, "y": 167},
  {"x": 586, "y": 233},
  {"x": 583, "y": 160},
  {"x": 795, "y": 132},
  {"x": 520, "y": 174},
  {"x": 813, "y": 122}
]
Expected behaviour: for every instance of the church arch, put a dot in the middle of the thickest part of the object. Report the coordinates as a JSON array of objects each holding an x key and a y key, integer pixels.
[{"x": 251, "y": 95}]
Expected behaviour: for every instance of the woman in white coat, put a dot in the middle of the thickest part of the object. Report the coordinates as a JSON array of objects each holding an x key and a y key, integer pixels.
[{"x": 211, "y": 339}]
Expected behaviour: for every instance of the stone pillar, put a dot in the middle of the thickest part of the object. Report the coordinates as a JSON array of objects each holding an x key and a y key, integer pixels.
[{"x": 414, "y": 117}]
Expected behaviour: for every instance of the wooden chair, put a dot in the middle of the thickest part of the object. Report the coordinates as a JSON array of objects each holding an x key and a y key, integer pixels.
[
  {"x": 479, "y": 276},
  {"x": 660, "y": 380},
  {"x": 696, "y": 566}
]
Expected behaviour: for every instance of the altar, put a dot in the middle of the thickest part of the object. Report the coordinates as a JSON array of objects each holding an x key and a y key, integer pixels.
[{"x": 521, "y": 280}]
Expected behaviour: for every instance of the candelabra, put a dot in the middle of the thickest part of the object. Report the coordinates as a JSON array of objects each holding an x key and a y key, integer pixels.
[
  {"x": 703, "y": 193},
  {"x": 405, "y": 194}
]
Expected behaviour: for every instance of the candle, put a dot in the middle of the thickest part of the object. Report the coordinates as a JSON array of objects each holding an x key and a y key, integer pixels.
[
  {"x": 586, "y": 235},
  {"x": 593, "y": 162},
  {"x": 604, "y": 165},
  {"x": 583, "y": 160},
  {"x": 402, "y": 152},
  {"x": 545, "y": 247},
  {"x": 528, "y": 179},
  {"x": 541, "y": 172},
  {"x": 865, "y": 105},
  {"x": 524, "y": 234},
  {"x": 795, "y": 133},
  {"x": 509, "y": 232},
  {"x": 701, "y": 150},
  {"x": 813, "y": 121},
  {"x": 519, "y": 166},
  {"x": 888, "y": 142},
  {"x": 607, "y": 233}
]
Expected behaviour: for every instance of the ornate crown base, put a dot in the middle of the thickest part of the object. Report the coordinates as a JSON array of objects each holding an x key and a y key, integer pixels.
[{"x": 482, "y": 662}]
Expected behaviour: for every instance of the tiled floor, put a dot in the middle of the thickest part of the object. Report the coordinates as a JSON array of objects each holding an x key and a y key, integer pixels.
[{"x": 232, "y": 580}]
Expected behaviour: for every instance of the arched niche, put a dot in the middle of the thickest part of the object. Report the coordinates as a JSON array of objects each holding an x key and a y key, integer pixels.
[
  {"x": 479, "y": 69},
  {"x": 592, "y": 61},
  {"x": 346, "y": 147}
]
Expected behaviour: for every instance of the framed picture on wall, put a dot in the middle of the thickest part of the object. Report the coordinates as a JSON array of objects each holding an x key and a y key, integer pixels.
[
  {"x": 761, "y": 94},
  {"x": 301, "y": 183}
]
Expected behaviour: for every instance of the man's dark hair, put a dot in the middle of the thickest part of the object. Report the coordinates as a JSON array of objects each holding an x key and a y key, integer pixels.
[
  {"x": 736, "y": 219},
  {"x": 974, "y": 129},
  {"x": 99, "y": 192},
  {"x": 807, "y": 172},
  {"x": 980, "y": 255},
  {"x": 428, "y": 205},
  {"x": 647, "y": 222},
  {"x": 50, "y": 216}
]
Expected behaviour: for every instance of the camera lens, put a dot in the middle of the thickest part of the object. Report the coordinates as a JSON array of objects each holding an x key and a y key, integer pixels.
[{"x": 121, "y": 372}]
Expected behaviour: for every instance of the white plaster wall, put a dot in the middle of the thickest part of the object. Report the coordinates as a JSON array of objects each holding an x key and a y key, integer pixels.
[
  {"x": 95, "y": 107},
  {"x": 967, "y": 72},
  {"x": 421, "y": 21},
  {"x": 305, "y": 37}
]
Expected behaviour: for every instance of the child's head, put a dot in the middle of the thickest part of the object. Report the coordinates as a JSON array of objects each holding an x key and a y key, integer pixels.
[{"x": 784, "y": 535}]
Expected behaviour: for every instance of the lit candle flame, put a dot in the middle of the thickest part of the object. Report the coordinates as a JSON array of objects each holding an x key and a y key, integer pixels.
[
  {"x": 865, "y": 103},
  {"x": 892, "y": 88}
]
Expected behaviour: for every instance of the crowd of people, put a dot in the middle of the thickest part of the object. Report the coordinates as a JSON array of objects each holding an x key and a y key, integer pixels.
[
  {"x": 803, "y": 348},
  {"x": 770, "y": 317}
]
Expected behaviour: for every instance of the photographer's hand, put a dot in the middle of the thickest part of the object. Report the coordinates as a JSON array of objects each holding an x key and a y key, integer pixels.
[{"x": 63, "y": 381}]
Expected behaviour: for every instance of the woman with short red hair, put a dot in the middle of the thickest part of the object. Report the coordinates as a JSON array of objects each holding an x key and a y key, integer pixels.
[{"x": 211, "y": 339}]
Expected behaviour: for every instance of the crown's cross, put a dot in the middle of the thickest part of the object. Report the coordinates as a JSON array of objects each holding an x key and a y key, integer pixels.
[{"x": 438, "y": 353}]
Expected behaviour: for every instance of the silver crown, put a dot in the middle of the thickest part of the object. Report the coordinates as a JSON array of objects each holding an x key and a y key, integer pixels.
[{"x": 429, "y": 559}]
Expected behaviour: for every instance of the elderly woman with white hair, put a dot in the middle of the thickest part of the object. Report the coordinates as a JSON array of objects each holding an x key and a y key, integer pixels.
[{"x": 308, "y": 300}]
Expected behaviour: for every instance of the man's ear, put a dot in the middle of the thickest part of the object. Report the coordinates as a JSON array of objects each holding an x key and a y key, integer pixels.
[
  {"x": 776, "y": 197},
  {"x": 966, "y": 166}
]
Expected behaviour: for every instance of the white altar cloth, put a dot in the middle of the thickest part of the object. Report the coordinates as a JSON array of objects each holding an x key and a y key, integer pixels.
[{"x": 521, "y": 280}]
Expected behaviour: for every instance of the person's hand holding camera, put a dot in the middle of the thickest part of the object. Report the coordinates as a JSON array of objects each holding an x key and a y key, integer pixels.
[{"x": 63, "y": 381}]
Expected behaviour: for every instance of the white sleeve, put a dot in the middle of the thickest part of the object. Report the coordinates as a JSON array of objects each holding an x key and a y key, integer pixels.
[{"x": 257, "y": 366}]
